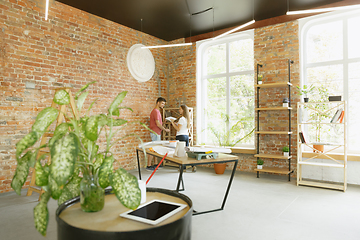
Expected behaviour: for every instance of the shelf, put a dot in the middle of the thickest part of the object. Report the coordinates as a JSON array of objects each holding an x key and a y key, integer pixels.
[
  {"x": 310, "y": 123},
  {"x": 274, "y": 170},
  {"x": 273, "y": 108},
  {"x": 271, "y": 156},
  {"x": 272, "y": 132},
  {"x": 273, "y": 85},
  {"x": 322, "y": 185},
  {"x": 321, "y": 164}
]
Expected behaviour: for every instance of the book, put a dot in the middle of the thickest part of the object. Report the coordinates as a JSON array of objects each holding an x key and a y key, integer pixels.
[
  {"x": 342, "y": 116},
  {"x": 170, "y": 118},
  {"x": 302, "y": 138},
  {"x": 336, "y": 116}
]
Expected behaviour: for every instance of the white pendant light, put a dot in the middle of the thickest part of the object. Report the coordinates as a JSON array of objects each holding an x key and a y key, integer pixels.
[
  {"x": 235, "y": 29},
  {"x": 319, "y": 10},
  {"x": 46, "y": 9}
]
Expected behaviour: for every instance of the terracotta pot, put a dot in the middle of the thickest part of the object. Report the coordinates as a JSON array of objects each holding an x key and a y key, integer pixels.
[
  {"x": 219, "y": 168},
  {"x": 319, "y": 148}
]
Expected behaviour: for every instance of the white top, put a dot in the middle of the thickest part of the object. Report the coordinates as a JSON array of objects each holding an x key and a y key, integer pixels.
[{"x": 183, "y": 129}]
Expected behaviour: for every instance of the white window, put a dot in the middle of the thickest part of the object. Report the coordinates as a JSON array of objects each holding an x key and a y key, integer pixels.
[
  {"x": 331, "y": 61},
  {"x": 225, "y": 90}
]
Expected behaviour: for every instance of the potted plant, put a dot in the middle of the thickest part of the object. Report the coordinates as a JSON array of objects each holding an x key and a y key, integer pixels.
[
  {"x": 305, "y": 90},
  {"x": 286, "y": 102},
  {"x": 77, "y": 165},
  {"x": 227, "y": 138},
  {"x": 260, "y": 163},
  {"x": 286, "y": 150},
  {"x": 259, "y": 78}
]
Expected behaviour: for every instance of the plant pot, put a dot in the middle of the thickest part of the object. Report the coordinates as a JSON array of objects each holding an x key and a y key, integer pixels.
[
  {"x": 286, "y": 154},
  {"x": 259, "y": 166},
  {"x": 285, "y": 104},
  {"x": 306, "y": 99},
  {"x": 219, "y": 168},
  {"x": 73, "y": 224},
  {"x": 259, "y": 82},
  {"x": 92, "y": 196},
  {"x": 318, "y": 148}
]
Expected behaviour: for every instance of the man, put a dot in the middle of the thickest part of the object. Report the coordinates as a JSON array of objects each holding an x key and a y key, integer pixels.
[{"x": 156, "y": 126}]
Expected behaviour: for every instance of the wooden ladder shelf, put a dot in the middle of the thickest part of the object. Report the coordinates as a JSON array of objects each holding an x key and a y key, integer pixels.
[{"x": 62, "y": 108}]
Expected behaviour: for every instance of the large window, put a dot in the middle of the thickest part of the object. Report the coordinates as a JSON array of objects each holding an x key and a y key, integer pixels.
[
  {"x": 225, "y": 90},
  {"x": 331, "y": 62}
]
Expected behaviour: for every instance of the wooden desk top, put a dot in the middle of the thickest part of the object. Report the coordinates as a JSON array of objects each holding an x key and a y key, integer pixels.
[
  {"x": 108, "y": 218},
  {"x": 222, "y": 157}
]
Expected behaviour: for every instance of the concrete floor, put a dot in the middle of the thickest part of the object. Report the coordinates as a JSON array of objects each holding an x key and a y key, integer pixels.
[{"x": 268, "y": 208}]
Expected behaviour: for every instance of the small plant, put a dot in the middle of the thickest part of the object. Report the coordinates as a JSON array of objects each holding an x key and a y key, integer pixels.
[
  {"x": 260, "y": 161},
  {"x": 285, "y": 149},
  {"x": 305, "y": 90}
]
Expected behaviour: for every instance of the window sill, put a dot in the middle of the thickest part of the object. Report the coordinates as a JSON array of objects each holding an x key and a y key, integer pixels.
[
  {"x": 336, "y": 156},
  {"x": 235, "y": 149}
]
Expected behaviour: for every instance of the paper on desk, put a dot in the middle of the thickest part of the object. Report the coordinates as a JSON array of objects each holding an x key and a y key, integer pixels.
[
  {"x": 208, "y": 149},
  {"x": 170, "y": 118},
  {"x": 163, "y": 150}
]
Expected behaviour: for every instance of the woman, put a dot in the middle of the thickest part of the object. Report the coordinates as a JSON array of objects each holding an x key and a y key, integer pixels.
[{"x": 183, "y": 125}]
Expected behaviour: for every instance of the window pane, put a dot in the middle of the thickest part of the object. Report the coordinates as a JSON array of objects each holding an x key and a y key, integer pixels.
[
  {"x": 354, "y": 37},
  {"x": 325, "y": 42},
  {"x": 215, "y": 109},
  {"x": 241, "y": 55},
  {"x": 215, "y": 58},
  {"x": 328, "y": 80},
  {"x": 242, "y": 107},
  {"x": 354, "y": 107}
]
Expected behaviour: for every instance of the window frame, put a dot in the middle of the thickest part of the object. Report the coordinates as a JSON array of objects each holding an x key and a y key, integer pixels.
[{"x": 201, "y": 47}]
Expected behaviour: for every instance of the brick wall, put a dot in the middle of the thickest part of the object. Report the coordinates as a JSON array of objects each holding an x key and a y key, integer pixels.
[{"x": 71, "y": 49}]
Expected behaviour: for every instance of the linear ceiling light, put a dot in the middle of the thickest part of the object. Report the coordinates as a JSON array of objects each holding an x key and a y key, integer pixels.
[
  {"x": 319, "y": 10},
  {"x": 47, "y": 10},
  {"x": 235, "y": 29},
  {"x": 169, "y": 45}
]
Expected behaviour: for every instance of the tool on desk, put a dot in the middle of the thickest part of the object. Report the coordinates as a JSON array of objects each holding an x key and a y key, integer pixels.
[{"x": 156, "y": 168}]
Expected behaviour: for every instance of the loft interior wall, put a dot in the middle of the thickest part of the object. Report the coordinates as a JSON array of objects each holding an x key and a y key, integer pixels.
[{"x": 71, "y": 49}]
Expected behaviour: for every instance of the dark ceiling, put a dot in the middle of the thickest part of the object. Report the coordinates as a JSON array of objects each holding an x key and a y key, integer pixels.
[{"x": 173, "y": 19}]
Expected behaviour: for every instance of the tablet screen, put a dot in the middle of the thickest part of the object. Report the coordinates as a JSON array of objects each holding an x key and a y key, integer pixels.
[{"x": 154, "y": 211}]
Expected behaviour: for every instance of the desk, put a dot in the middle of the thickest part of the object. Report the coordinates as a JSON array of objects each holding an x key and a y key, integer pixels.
[{"x": 186, "y": 161}]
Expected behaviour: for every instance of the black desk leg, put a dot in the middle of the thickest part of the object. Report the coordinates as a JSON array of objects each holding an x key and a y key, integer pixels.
[
  {"x": 180, "y": 179},
  {"x": 229, "y": 185},
  {"x": 137, "y": 155}
]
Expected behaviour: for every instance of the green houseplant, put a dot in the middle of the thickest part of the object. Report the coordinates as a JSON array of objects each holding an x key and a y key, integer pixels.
[
  {"x": 305, "y": 90},
  {"x": 77, "y": 162},
  {"x": 286, "y": 150},
  {"x": 260, "y": 163}
]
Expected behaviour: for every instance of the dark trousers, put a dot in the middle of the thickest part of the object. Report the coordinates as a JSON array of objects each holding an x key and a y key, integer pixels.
[{"x": 183, "y": 138}]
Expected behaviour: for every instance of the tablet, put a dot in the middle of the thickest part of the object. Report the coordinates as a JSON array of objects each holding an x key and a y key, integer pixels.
[{"x": 154, "y": 211}]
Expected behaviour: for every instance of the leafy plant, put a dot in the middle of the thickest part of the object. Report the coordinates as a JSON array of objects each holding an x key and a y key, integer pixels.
[
  {"x": 285, "y": 149},
  {"x": 228, "y": 138},
  {"x": 75, "y": 154},
  {"x": 260, "y": 161},
  {"x": 305, "y": 90}
]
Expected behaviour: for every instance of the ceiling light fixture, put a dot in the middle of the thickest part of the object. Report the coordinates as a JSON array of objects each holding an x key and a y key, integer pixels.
[
  {"x": 235, "y": 29},
  {"x": 319, "y": 10},
  {"x": 46, "y": 9}
]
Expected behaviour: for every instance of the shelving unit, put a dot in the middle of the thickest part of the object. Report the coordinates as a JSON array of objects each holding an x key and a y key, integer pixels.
[
  {"x": 258, "y": 132},
  {"x": 304, "y": 108},
  {"x": 174, "y": 112}
]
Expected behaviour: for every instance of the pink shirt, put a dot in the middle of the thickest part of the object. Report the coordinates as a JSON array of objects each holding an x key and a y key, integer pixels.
[{"x": 155, "y": 115}]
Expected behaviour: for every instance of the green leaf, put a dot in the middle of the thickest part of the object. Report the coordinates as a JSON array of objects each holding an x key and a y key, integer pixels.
[
  {"x": 99, "y": 160},
  {"x": 27, "y": 141},
  {"x": 42, "y": 174},
  {"x": 103, "y": 120},
  {"x": 71, "y": 190},
  {"x": 81, "y": 100},
  {"x": 41, "y": 214},
  {"x": 62, "y": 97},
  {"x": 64, "y": 153},
  {"x": 118, "y": 122},
  {"x": 117, "y": 101},
  {"x": 21, "y": 172},
  {"x": 62, "y": 128},
  {"x": 105, "y": 171},
  {"x": 83, "y": 89},
  {"x": 44, "y": 119},
  {"x": 126, "y": 188},
  {"x": 91, "y": 128},
  {"x": 56, "y": 190},
  {"x": 116, "y": 112}
]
